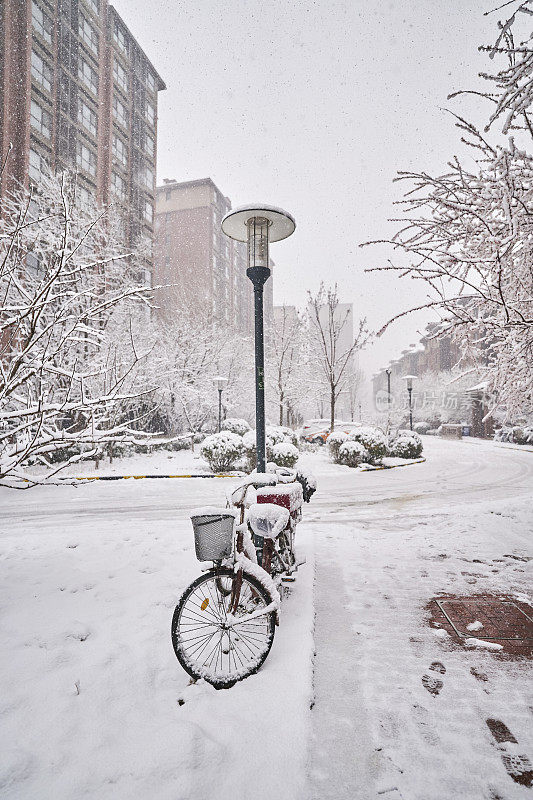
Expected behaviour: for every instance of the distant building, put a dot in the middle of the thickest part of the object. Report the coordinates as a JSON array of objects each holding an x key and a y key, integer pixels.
[
  {"x": 79, "y": 93},
  {"x": 432, "y": 355},
  {"x": 204, "y": 271}
]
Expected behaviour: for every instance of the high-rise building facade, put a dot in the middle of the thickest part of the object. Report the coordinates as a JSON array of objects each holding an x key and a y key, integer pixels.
[
  {"x": 204, "y": 271},
  {"x": 79, "y": 93}
]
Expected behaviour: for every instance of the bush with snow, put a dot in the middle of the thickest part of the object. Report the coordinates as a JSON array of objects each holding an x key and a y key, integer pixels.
[
  {"x": 422, "y": 427},
  {"x": 290, "y": 435},
  {"x": 276, "y": 434},
  {"x": 284, "y": 454},
  {"x": 406, "y": 447},
  {"x": 373, "y": 440},
  {"x": 411, "y": 435},
  {"x": 238, "y": 426},
  {"x": 222, "y": 450},
  {"x": 335, "y": 440},
  {"x": 352, "y": 454},
  {"x": 249, "y": 448}
]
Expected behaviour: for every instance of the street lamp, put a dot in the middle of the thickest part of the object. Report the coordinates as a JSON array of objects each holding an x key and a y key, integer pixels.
[
  {"x": 220, "y": 384},
  {"x": 258, "y": 225},
  {"x": 388, "y": 372},
  {"x": 409, "y": 381}
]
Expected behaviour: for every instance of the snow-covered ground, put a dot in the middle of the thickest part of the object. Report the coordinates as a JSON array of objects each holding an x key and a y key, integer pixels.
[{"x": 94, "y": 703}]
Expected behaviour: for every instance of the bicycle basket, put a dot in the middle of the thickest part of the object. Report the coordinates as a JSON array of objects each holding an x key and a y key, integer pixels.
[{"x": 213, "y": 533}]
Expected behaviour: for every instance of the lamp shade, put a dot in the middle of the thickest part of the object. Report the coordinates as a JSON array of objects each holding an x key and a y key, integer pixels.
[{"x": 280, "y": 223}]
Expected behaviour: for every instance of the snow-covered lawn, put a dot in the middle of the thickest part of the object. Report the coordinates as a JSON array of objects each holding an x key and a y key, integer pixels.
[{"x": 94, "y": 703}]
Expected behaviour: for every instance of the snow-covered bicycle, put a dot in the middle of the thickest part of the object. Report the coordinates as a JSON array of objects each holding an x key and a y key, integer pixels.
[{"x": 223, "y": 626}]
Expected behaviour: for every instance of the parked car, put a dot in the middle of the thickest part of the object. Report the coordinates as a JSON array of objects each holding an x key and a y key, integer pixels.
[{"x": 317, "y": 430}]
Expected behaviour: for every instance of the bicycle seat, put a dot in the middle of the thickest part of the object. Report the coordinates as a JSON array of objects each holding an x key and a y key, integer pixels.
[
  {"x": 256, "y": 479},
  {"x": 267, "y": 520}
]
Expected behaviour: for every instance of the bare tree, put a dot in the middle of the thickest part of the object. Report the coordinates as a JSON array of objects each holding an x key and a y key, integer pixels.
[
  {"x": 467, "y": 235},
  {"x": 332, "y": 354},
  {"x": 63, "y": 275},
  {"x": 287, "y": 361}
]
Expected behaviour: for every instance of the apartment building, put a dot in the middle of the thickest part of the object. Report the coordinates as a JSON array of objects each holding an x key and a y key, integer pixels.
[
  {"x": 204, "y": 271},
  {"x": 79, "y": 93}
]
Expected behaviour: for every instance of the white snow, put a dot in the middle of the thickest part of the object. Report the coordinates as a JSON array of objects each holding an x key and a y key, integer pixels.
[
  {"x": 483, "y": 644},
  {"x": 95, "y": 705},
  {"x": 474, "y": 626}
]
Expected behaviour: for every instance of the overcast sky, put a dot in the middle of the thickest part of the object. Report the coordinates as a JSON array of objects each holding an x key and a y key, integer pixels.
[{"x": 314, "y": 106}]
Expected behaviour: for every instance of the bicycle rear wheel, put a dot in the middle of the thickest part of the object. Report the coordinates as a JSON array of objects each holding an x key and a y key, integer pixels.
[{"x": 205, "y": 645}]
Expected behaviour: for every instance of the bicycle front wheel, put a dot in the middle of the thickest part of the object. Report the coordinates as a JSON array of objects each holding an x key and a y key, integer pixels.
[{"x": 210, "y": 646}]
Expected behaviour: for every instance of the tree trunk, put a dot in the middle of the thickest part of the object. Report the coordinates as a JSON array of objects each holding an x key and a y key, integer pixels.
[
  {"x": 332, "y": 411},
  {"x": 281, "y": 412}
]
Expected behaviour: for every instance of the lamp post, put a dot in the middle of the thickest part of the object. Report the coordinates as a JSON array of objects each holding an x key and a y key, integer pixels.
[
  {"x": 409, "y": 381},
  {"x": 388, "y": 372},
  {"x": 258, "y": 225},
  {"x": 220, "y": 384}
]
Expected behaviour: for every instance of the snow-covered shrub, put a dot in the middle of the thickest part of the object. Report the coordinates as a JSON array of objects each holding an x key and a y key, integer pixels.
[
  {"x": 290, "y": 435},
  {"x": 410, "y": 435},
  {"x": 222, "y": 450},
  {"x": 249, "y": 449},
  {"x": 238, "y": 426},
  {"x": 285, "y": 454},
  {"x": 335, "y": 440},
  {"x": 422, "y": 427},
  {"x": 406, "y": 447},
  {"x": 373, "y": 440},
  {"x": 352, "y": 454},
  {"x": 276, "y": 434}
]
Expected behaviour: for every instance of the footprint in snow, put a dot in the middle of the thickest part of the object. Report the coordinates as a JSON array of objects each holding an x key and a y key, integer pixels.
[
  {"x": 427, "y": 732},
  {"x": 518, "y": 765},
  {"x": 431, "y": 682}
]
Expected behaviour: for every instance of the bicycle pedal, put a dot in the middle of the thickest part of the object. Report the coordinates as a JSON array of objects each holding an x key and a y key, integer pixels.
[{"x": 288, "y": 579}]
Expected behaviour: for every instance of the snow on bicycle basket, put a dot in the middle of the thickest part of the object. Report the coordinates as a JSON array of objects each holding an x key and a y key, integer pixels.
[
  {"x": 213, "y": 532},
  {"x": 267, "y": 520}
]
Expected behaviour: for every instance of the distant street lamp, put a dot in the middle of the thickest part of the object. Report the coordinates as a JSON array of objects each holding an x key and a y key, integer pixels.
[
  {"x": 258, "y": 225},
  {"x": 388, "y": 387},
  {"x": 409, "y": 381},
  {"x": 220, "y": 383}
]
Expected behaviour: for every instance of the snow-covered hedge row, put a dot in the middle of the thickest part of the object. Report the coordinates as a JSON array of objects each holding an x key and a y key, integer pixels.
[
  {"x": 372, "y": 446},
  {"x": 230, "y": 449},
  {"x": 519, "y": 434}
]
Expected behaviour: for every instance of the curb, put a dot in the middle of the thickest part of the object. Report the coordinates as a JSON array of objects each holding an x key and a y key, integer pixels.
[
  {"x": 393, "y": 466},
  {"x": 149, "y": 477}
]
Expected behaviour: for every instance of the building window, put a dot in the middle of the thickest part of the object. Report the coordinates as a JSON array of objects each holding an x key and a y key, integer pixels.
[
  {"x": 40, "y": 119},
  {"x": 93, "y": 5},
  {"x": 88, "y": 34},
  {"x": 148, "y": 211},
  {"x": 149, "y": 111},
  {"x": 118, "y": 185},
  {"x": 85, "y": 197},
  {"x": 150, "y": 81},
  {"x": 41, "y": 22},
  {"x": 119, "y": 112},
  {"x": 119, "y": 74},
  {"x": 119, "y": 150},
  {"x": 87, "y": 117},
  {"x": 119, "y": 37},
  {"x": 146, "y": 177},
  {"x": 149, "y": 146},
  {"x": 85, "y": 158},
  {"x": 88, "y": 75},
  {"x": 37, "y": 165},
  {"x": 41, "y": 71}
]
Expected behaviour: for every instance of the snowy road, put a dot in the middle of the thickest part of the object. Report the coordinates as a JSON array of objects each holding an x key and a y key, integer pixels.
[{"x": 94, "y": 704}]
